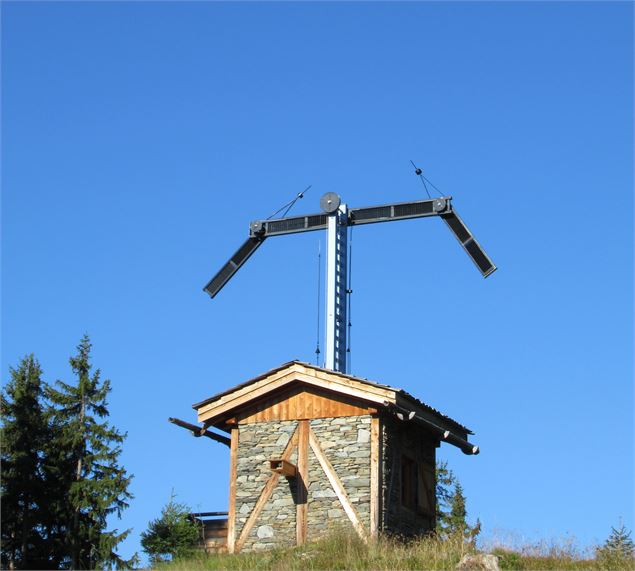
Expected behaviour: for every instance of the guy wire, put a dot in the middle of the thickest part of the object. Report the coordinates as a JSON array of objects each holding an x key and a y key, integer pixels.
[
  {"x": 423, "y": 178},
  {"x": 419, "y": 173},
  {"x": 289, "y": 205},
  {"x": 319, "y": 283},
  {"x": 435, "y": 188}
]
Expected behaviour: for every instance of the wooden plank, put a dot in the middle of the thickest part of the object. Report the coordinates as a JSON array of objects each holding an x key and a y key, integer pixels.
[
  {"x": 231, "y": 516},
  {"x": 318, "y": 376},
  {"x": 311, "y": 407},
  {"x": 302, "y": 402},
  {"x": 356, "y": 390},
  {"x": 264, "y": 495},
  {"x": 302, "y": 482},
  {"x": 240, "y": 392},
  {"x": 427, "y": 488},
  {"x": 200, "y": 431},
  {"x": 337, "y": 384},
  {"x": 283, "y": 467},
  {"x": 428, "y": 416},
  {"x": 337, "y": 486},
  {"x": 218, "y": 408},
  {"x": 375, "y": 480},
  {"x": 353, "y": 383},
  {"x": 327, "y": 408},
  {"x": 293, "y": 405}
]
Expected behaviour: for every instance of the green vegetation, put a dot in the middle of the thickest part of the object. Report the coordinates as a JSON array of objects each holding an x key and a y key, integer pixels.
[
  {"x": 60, "y": 478},
  {"x": 338, "y": 552},
  {"x": 24, "y": 435},
  {"x": 342, "y": 551},
  {"x": 452, "y": 507},
  {"x": 618, "y": 551},
  {"x": 173, "y": 535}
]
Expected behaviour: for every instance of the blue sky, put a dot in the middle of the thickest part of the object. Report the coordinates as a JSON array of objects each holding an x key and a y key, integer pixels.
[{"x": 139, "y": 140}]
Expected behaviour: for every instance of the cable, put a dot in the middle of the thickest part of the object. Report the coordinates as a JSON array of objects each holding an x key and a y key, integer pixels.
[
  {"x": 289, "y": 205},
  {"x": 435, "y": 188},
  {"x": 419, "y": 173},
  {"x": 319, "y": 283}
]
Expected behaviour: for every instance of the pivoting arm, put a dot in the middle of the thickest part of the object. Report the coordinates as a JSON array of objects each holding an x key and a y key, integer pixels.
[
  {"x": 259, "y": 230},
  {"x": 469, "y": 243},
  {"x": 231, "y": 267}
]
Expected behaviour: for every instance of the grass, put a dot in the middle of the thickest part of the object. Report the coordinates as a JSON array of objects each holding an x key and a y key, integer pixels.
[{"x": 345, "y": 552}]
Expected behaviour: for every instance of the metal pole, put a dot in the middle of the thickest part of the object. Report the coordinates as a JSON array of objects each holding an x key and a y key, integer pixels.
[{"x": 336, "y": 267}]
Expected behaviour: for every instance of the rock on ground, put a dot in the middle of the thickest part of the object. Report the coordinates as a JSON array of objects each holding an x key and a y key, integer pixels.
[{"x": 480, "y": 562}]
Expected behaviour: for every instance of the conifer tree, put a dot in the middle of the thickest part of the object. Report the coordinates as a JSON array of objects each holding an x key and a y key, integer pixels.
[
  {"x": 87, "y": 467},
  {"x": 618, "y": 550},
  {"x": 457, "y": 520},
  {"x": 23, "y": 435},
  {"x": 174, "y": 534},
  {"x": 451, "y": 507},
  {"x": 445, "y": 480}
]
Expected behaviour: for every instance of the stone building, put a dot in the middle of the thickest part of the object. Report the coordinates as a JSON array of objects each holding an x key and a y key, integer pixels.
[{"x": 313, "y": 450}]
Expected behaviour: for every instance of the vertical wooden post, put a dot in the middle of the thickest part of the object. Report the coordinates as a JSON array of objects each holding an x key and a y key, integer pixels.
[
  {"x": 302, "y": 479},
  {"x": 231, "y": 516},
  {"x": 375, "y": 480}
]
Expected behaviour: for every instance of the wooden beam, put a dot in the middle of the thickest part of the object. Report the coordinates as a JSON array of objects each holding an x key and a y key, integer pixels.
[
  {"x": 233, "y": 465},
  {"x": 350, "y": 388},
  {"x": 302, "y": 482},
  {"x": 375, "y": 480},
  {"x": 200, "y": 431},
  {"x": 283, "y": 467},
  {"x": 208, "y": 514},
  {"x": 248, "y": 389},
  {"x": 243, "y": 396},
  {"x": 405, "y": 405},
  {"x": 439, "y": 430},
  {"x": 337, "y": 486},
  {"x": 379, "y": 396},
  {"x": 347, "y": 381},
  {"x": 264, "y": 495}
]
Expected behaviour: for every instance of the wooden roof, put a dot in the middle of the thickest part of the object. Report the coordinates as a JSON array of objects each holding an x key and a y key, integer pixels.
[{"x": 284, "y": 381}]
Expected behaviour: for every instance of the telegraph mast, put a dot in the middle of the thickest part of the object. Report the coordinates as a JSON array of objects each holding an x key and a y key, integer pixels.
[{"x": 335, "y": 218}]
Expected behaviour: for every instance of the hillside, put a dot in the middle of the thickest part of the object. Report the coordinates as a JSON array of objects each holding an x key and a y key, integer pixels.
[{"x": 347, "y": 552}]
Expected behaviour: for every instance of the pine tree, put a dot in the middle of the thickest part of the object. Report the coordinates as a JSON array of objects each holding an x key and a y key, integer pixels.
[
  {"x": 87, "y": 467},
  {"x": 618, "y": 550},
  {"x": 445, "y": 481},
  {"x": 24, "y": 432},
  {"x": 174, "y": 534},
  {"x": 451, "y": 507},
  {"x": 457, "y": 520}
]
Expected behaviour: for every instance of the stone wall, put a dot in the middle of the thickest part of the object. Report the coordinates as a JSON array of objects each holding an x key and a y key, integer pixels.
[
  {"x": 398, "y": 438},
  {"x": 257, "y": 444},
  {"x": 345, "y": 441}
]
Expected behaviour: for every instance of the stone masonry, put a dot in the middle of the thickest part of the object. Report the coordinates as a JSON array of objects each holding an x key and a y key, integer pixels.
[{"x": 345, "y": 441}]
